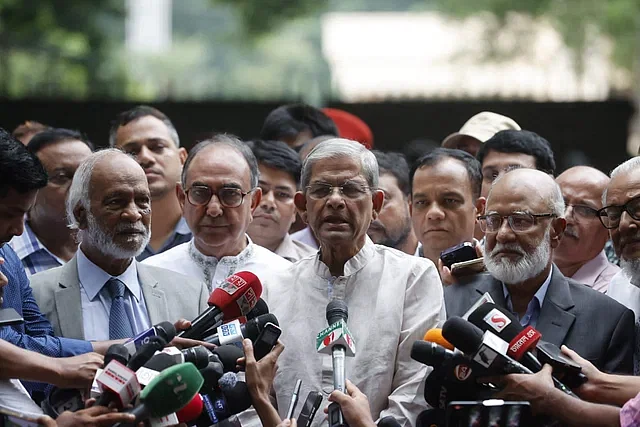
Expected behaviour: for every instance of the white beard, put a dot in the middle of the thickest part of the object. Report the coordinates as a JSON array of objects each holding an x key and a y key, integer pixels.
[
  {"x": 631, "y": 269},
  {"x": 102, "y": 240},
  {"x": 527, "y": 267}
]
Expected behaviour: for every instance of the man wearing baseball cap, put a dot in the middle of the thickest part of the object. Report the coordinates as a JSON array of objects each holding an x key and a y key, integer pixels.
[{"x": 477, "y": 130}]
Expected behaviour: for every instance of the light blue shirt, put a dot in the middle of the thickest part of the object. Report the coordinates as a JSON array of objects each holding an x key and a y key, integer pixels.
[
  {"x": 96, "y": 301},
  {"x": 530, "y": 317}
]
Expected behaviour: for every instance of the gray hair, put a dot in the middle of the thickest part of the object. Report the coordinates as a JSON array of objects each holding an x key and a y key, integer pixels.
[
  {"x": 629, "y": 165},
  {"x": 337, "y": 148},
  {"x": 79, "y": 193},
  {"x": 229, "y": 141}
]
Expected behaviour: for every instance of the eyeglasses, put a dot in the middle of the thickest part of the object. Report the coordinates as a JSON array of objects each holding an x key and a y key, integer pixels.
[
  {"x": 200, "y": 195},
  {"x": 518, "y": 221},
  {"x": 350, "y": 190},
  {"x": 583, "y": 211},
  {"x": 610, "y": 215}
]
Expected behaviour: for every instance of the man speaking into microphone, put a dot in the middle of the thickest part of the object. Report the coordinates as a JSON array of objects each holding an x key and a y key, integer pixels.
[
  {"x": 524, "y": 223},
  {"x": 392, "y": 297}
]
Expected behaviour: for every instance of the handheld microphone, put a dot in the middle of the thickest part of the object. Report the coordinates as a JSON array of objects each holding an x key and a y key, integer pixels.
[
  {"x": 118, "y": 383},
  {"x": 228, "y": 355},
  {"x": 165, "y": 330},
  {"x": 235, "y": 297},
  {"x": 211, "y": 374},
  {"x": 231, "y": 332},
  {"x": 191, "y": 410},
  {"x": 523, "y": 341},
  {"x": 388, "y": 421},
  {"x": 146, "y": 352},
  {"x": 487, "y": 351},
  {"x": 435, "y": 336},
  {"x": 169, "y": 392},
  {"x": 337, "y": 340},
  {"x": 260, "y": 308},
  {"x": 117, "y": 352},
  {"x": 432, "y": 354},
  {"x": 431, "y": 418},
  {"x": 153, "y": 367},
  {"x": 197, "y": 355}
]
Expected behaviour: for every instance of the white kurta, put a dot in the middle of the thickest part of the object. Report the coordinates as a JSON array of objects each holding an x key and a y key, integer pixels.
[
  {"x": 186, "y": 259},
  {"x": 622, "y": 290},
  {"x": 393, "y": 299}
]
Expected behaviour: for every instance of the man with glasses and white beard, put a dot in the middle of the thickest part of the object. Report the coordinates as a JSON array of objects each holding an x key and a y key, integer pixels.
[
  {"x": 524, "y": 224},
  {"x": 621, "y": 215}
]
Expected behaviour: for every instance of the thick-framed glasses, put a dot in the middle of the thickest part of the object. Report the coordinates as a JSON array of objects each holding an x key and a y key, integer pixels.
[
  {"x": 229, "y": 197},
  {"x": 583, "y": 211},
  {"x": 610, "y": 215},
  {"x": 350, "y": 190},
  {"x": 519, "y": 222}
]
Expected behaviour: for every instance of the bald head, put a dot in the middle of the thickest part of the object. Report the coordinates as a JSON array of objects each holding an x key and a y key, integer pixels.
[
  {"x": 529, "y": 188},
  {"x": 586, "y": 180}
]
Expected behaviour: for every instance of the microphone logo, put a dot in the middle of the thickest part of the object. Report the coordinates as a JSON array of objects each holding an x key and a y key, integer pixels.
[
  {"x": 232, "y": 283},
  {"x": 462, "y": 372},
  {"x": 329, "y": 338},
  {"x": 496, "y": 320}
]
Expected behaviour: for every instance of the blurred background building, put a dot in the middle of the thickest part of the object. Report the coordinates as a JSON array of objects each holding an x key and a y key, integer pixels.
[{"x": 566, "y": 69}]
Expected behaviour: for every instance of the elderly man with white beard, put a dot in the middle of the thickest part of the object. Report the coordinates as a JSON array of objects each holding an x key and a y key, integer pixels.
[
  {"x": 621, "y": 215},
  {"x": 524, "y": 223},
  {"x": 103, "y": 293}
]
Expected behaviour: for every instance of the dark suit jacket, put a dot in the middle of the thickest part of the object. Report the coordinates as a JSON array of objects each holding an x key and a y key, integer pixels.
[{"x": 590, "y": 323}]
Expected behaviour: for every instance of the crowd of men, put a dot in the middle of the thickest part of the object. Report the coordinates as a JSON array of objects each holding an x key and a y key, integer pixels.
[{"x": 98, "y": 245}]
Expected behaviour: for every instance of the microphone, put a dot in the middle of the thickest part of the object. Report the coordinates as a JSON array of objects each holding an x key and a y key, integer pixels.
[
  {"x": 523, "y": 340},
  {"x": 337, "y": 341},
  {"x": 165, "y": 330},
  {"x": 118, "y": 383},
  {"x": 153, "y": 367},
  {"x": 388, "y": 421},
  {"x": 260, "y": 308},
  {"x": 191, "y": 411},
  {"x": 197, "y": 355},
  {"x": 487, "y": 351},
  {"x": 117, "y": 352},
  {"x": 432, "y": 354},
  {"x": 233, "y": 332},
  {"x": 146, "y": 352},
  {"x": 431, "y": 418},
  {"x": 228, "y": 355},
  {"x": 435, "y": 336},
  {"x": 211, "y": 374},
  {"x": 235, "y": 297},
  {"x": 169, "y": 392}
]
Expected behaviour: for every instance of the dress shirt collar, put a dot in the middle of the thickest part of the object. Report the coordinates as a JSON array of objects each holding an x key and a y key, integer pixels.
[
  {"x": 286, "y": 249},
  {"x": 591, "y": 269},
  {"x": 208, "y": 264},
  {"x": 352, "y": 266},
  {"x": 93, "y": 278},
  {"x": 28, "y": 244},
  {"x": 535, "y": 305},
  {"x": 182, "y": 227}
]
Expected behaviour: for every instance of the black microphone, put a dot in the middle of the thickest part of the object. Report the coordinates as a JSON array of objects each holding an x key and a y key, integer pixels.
[
  {"x": 146, "y": 352},
  {"x": 211, "y": 374},
  {"x": 260, "y": 308},
  {"x": 431, "y": 418},
  {"x": 164, "y": 330},
  {"x": 228, "y": 355},
  {"x": 117, "y": 352},
  {"x": 250, "y": 330},
  {"x": 490, "y": 317},
  {"x": 432, "y": 354},
  {"x": 388, "y": 421},
  {"x": 153, "y": 367}
]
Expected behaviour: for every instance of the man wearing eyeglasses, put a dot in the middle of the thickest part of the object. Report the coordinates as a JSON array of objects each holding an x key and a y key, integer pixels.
[
  {"x": 524, "y": 224},
  {"x": 218, "y": 194},
  {"x": 621, "y": 215},
  {"x": 581, "y": 254},
  {"x": 392, "y": 297}
]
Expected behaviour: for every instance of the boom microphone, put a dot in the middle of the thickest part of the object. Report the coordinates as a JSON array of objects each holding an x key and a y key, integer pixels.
[{"x": 235, "y": 297}]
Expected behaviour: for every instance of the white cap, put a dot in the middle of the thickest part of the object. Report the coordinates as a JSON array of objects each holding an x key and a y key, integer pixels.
[{"x": 482, "y": 127}]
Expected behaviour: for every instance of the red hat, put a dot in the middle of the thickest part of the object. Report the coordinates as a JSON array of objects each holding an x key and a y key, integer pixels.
[{"x": 350, "y": 126}]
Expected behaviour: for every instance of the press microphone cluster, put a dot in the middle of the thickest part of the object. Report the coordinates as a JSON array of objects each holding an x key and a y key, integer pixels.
[
  {"x": 236, "y": 297},
  {"x": 234, "y": 332},
  {"x": 337, "y": 341}
]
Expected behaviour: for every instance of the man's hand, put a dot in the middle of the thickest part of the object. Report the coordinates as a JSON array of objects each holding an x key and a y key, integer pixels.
[
  {"x": 182, "y": 343},
  {"x": 354, "y": 406},
  {"x": 260, "y": 374},
  {"x": 96, "y": 416},
  {"x": 590, "y": 388},
  {"x": 445, "y": 272},
  {"x": 532, "y": 388},
  {"x": 288, "y": 423},
  {"x": 78, "y": 371}
]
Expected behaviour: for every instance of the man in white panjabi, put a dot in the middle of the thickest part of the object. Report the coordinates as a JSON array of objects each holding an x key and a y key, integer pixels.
[
  {"x": 393, "y": 298},
  {"x": 218, "y": 194}
]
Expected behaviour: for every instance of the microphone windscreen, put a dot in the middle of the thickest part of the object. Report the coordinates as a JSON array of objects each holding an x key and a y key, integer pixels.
[
  {"x": 238, "y": 398},
  {"x": 490, "y": 317},
  {"x": 260, "y": 308},
  {"x": 237, "y": 295},
  {"x": 166, "y": 330},
  {"x": 228, "y": 381},
  {"x": 146, "y": 352},
  {"x": 462, "y": 334},
  {"x": 431, "y": 418},
  {"x": 228, "y": 355},
  {"x": 254, "y": 326},
  {"x": 388, "y": 421},
  {"x": 337, "y": 310},
  {"x": 435, "y": 336},
  {"x": 192, "y": 410},
  {"x": 171, "y": 390},
  {"x": 117, "y": 352},
  {"x": 197, "y": 355},
  {"x": 160, "y": 362}
]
